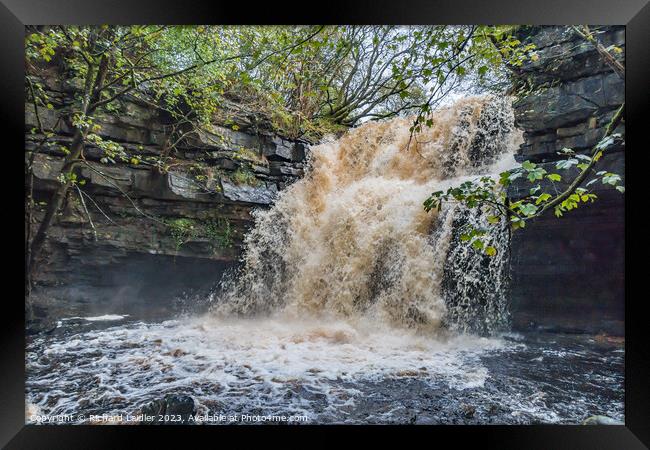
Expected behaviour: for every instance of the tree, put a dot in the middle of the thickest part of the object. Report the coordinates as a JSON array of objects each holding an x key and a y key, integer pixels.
[
  {"x": 348, "y": 74},
  {"x": 308, "y": 80},
  {"x": 109, "y": 64},
  {"x": 489, "y": 196}
]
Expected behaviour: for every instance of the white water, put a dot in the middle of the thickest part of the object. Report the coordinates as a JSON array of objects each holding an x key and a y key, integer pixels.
[
  {"x": 248, "y": 363},
  {"x": 332, "y": 372},
  {"x": 351, "y": 239},
  {"x": 352, "y": 305}
]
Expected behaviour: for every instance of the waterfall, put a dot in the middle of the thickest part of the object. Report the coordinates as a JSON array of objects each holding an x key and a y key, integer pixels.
[
  {"x": 474, "y": 285},
  {"x": 352, "y": 240}
]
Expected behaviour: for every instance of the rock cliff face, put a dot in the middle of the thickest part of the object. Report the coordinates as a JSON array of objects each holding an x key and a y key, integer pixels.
[
  {"x": 155, "y": 234},
  {"x": 568, "y": 273}
]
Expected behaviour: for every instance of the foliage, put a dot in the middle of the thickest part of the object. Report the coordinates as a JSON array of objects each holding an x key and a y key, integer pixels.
[
  {"x": 491, "y": 197},
  {"x": 477, "y": 64},
  {"x": 182, "y": 230},
  {"x": 308, "y": 78},
  {"x": 244, "y": 175},
  {"x": 246, "y": 154},
  {"x": 543, "y": 194},
  {"x": 218, "y": 232},
  {"x": 304, "y": 80}
]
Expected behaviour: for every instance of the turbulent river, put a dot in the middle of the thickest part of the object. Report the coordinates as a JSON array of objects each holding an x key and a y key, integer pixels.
[{"x": 351, "y": 305}]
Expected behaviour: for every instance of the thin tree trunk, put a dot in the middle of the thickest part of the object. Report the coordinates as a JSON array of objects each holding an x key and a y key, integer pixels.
[
  {"x": 92, "y": 90},
  {"x": 54, "y": 205}
]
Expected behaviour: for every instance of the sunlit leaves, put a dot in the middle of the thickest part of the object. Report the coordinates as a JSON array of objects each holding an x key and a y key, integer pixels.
[
  {"x": 517, "y": 222},
  {"x": 484, "y": 193},
  {"x": 542, "y": 198},
  {"x": 527, "y": 209},
  {"x": 536, "y": 174},
  {"x": 490, "y": 251},
  {"x": 528, "y": 166}
]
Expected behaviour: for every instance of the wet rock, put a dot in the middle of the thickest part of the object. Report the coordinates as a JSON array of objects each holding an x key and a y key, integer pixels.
[
  {"x": 306, "y": 394},
  {"x": 263, "y": 194},
  {"x": 38, "y": 326},
  {"x": 570, "y": 93},
  {"x": 281, "y": 149},
  {"x": 601, "y": 420},
  {"x": 188, "y": 187},
  {"x": 224, "y": 138},
  {"x": 172, "y": 409},
  {"x": 566, "y": 98},
  {"x": 467, "y": 410},
  {"x": 46, "y": 168},
  {"x": 111, "y": 177},
  {"x": 571, "y": 102},
  {"x": 260, "y": 169},
  {"x": 181, "y": 185},
  {"x": 496, "y": 412},
  {"x": 175, "y": 353}
]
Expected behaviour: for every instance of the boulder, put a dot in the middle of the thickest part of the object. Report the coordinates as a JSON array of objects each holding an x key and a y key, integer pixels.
[
  {"x": 279, "y": 149},
  {"x": 601, "y": 420},
  {"x": 170, "y": 410}
]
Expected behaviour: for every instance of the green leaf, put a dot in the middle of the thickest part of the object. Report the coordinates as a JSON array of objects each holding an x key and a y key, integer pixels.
[
  {"x": 490, "y": 251},
  {"x": 554, "y": 177},
  {"x": 518, "y": 223},
  {"x": 528, "y": 209},
  {"x": 504, "y": 178},
  {"x": 527, "y": 165}
]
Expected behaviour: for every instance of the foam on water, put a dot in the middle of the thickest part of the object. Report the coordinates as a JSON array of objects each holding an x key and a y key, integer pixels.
[
  {"x": 245, "y": 363},
  {"x": 340, "y": 311},
  {"x": 327, "y": 370}
]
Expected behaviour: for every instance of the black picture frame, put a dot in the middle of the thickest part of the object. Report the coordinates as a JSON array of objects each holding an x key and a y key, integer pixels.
[{"x": 14, "y": 14}]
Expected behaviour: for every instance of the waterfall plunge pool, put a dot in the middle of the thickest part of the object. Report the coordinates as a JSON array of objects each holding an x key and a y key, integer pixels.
[
  {"x": 322, "y": 371},
  {"x": 348, "y": 286}
]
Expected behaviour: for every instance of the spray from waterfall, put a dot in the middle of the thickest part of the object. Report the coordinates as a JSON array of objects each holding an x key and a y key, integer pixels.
[{"x": 352, "y": 240}]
